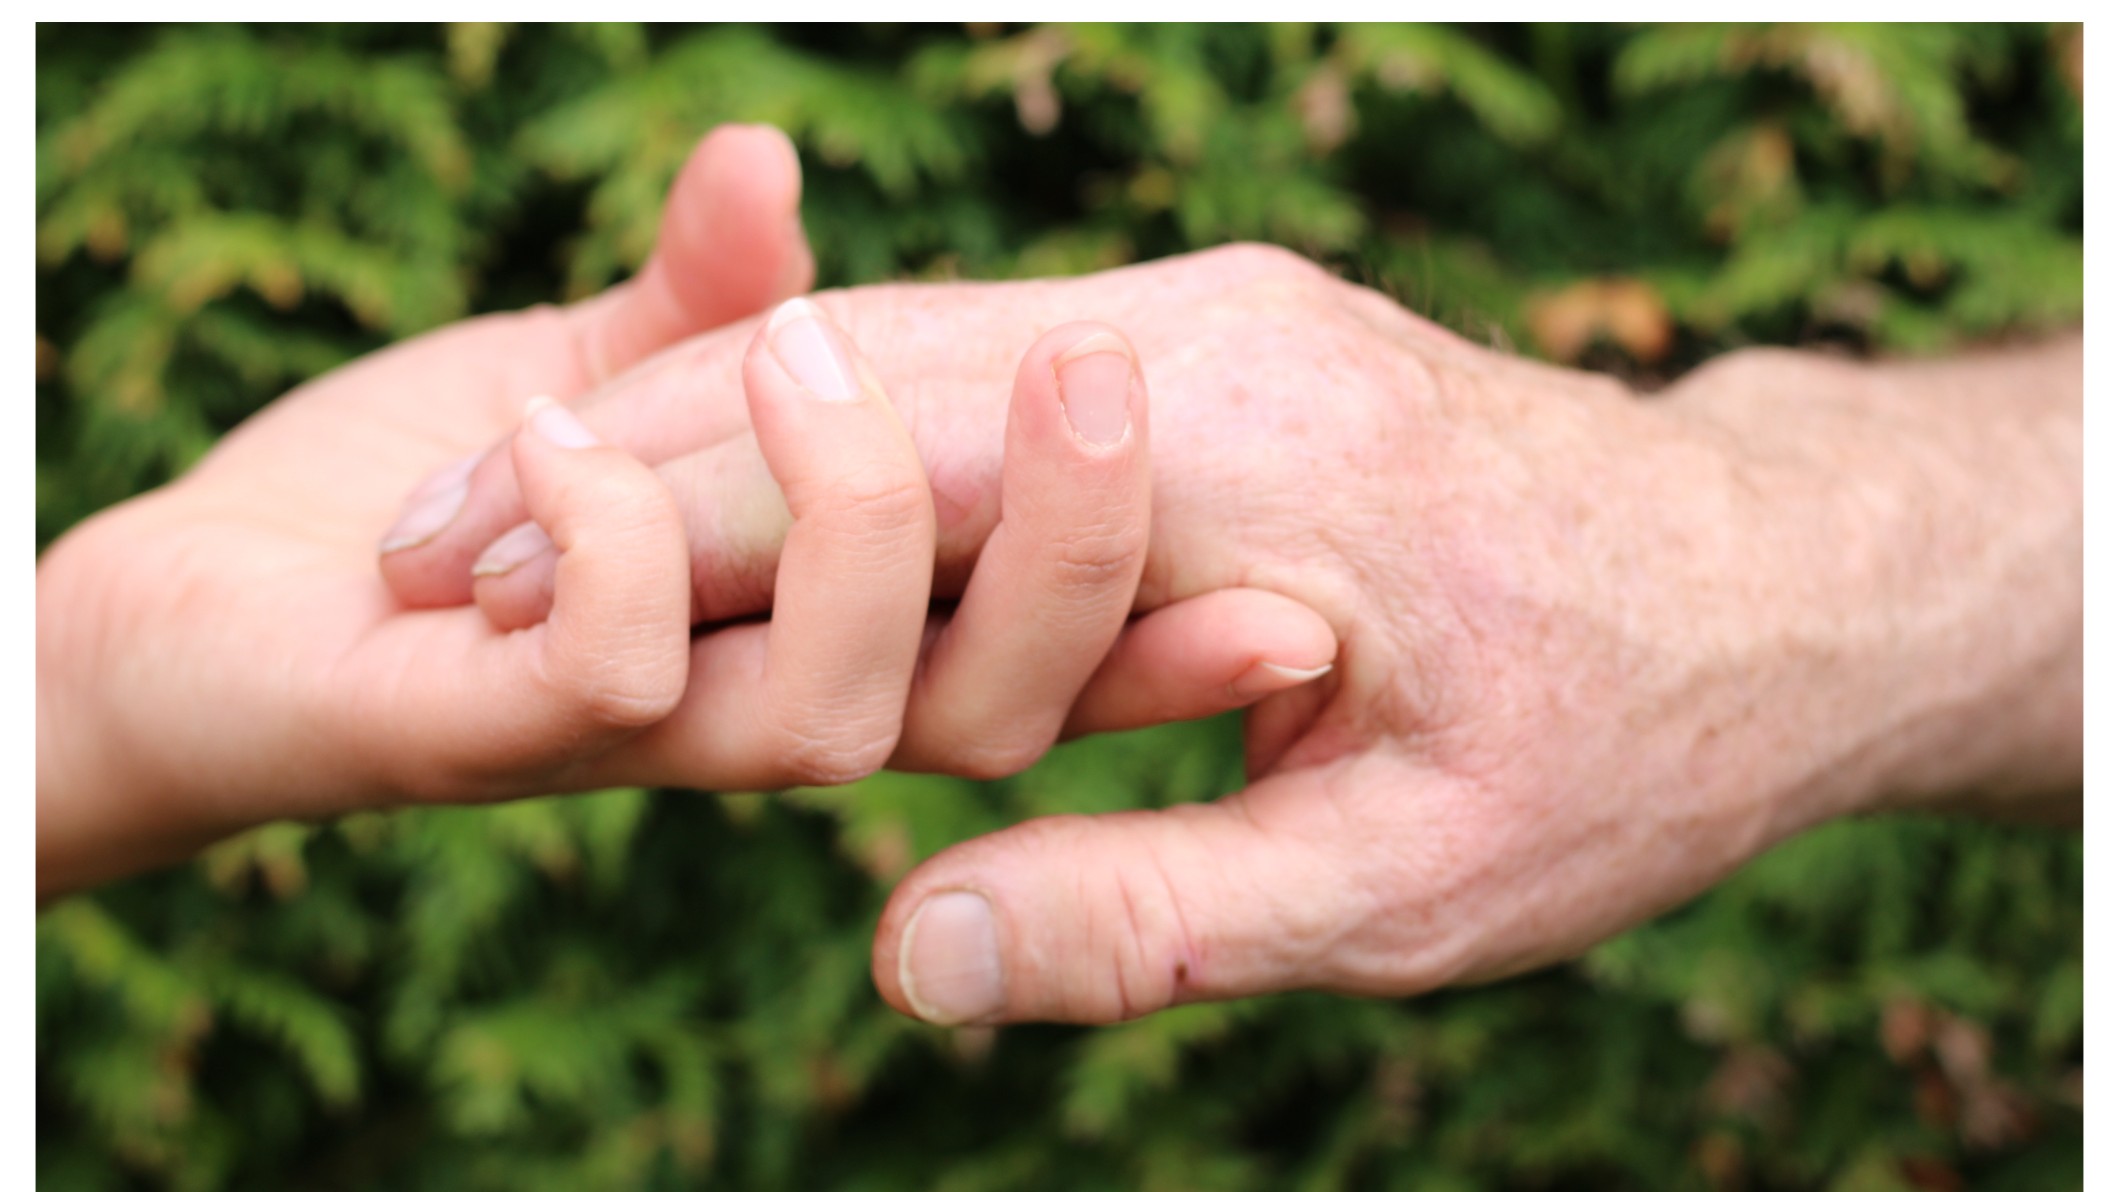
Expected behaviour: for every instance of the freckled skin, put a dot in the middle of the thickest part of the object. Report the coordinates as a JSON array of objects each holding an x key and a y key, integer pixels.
[{"x": 1596, "y": 651}]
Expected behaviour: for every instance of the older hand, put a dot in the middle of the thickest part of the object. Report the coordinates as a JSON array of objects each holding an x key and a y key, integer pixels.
[{"x": 1595, "y": 652}]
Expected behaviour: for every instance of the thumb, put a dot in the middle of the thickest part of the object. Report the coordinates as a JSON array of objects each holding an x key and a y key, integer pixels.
[
  {"x": 1102, "y": 918},
  {"x": 730, "y": 245}
]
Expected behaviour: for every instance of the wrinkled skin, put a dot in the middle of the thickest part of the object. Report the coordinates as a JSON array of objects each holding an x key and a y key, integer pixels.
[{"x": 1595, "y": 651}]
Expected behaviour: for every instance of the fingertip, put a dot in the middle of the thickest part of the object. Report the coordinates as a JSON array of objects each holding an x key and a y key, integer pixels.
[
  {"x": 512, "y": 581},
  {"x": 1057, "y": 577},
  {"x": 756, "y": 154},
  {"x": 1204, "y": 656},
  {"x": 424, "y": 557},
  {"x": 1262, "y": 679},
  {"x": 548, "y": 431},
  {"x": 729, "y": 243},
  {"x": 1079, "y": 387},
  {"x": 731, "y": 240},
  {"x": 1059, "y": 919},
  {"x": 1068, "y": 342},
  {"x": 1297, "y": 674},
  {"x": 764, "y": 158},
  {"x": 1078, "y": 337},
  {"x": 1096, "y": 390},
  {"x": 430, "y": 507},
  {"x": 949, "y": 969},
  {"x": 557, "y": 425},
  {"x": 801, "y": 354},
  {"x": 615, "y": 637},
  {"x": 851, "y": 590},
  {"x": 746, "y": 171},
  {"x": 520, "y": 599},
  {"x": 1099, "y": 339},
  {"x": 1291, "y": 644}
]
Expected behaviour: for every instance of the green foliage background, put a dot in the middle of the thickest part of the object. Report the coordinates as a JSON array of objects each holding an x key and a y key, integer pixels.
[{"x": 662, "y": 990}]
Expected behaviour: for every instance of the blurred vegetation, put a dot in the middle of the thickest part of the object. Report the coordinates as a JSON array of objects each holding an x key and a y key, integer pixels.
[{"x": 662, "y": 990}]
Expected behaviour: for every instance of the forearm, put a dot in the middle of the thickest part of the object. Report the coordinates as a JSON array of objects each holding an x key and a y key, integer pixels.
[
  {"x": 1951, "y": 539},
  {"x": 2004, "y": 451}
]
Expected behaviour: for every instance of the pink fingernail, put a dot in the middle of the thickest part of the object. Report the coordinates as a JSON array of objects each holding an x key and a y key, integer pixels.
[
  {"x": 1265, "y": 678},
  {"x": 432, "y": 506},
  {"x": 443, "y": 478},
  {"x": 813, "y": 351},
  {"x": 1096, "y": 388},
  {"x": 512, "y": 550},
  {"x": 949, "y": 959},
  {"x": 557, "y": 425}
]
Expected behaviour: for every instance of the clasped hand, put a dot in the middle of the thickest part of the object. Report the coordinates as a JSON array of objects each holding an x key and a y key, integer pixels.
[
  {"x": 329, "y": 692},
  {"x": 1527, "y": 659}
]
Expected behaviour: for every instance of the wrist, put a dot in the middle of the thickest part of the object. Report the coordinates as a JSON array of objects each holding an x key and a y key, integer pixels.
[
  {"x": 100, "y": 811},
  {"x": 1934, "y": 512},
  {"x": 73, "y": 796}
]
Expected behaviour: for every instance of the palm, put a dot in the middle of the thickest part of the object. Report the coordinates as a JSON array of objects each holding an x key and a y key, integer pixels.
[{"x": 284, "y": 516}]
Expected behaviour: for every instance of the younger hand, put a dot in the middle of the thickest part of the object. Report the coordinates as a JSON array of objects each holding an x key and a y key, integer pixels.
[{"x": 218, "y": 653}]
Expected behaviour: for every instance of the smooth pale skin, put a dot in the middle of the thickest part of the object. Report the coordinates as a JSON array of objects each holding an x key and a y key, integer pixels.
[
  {"x": 1596, "y": 651},
  {"x": 221, "y": 652},
  {"x": 217, "y": 653}
]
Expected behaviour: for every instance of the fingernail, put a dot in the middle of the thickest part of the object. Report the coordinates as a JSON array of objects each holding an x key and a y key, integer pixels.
[
  {"x": 1265, "y": 678},
  {"x": 432, "y": 506},
  {"x": 1096, "y": 387},
  {"x": 556, "y": 424},
  {"x": 512, "y": 550},
  {"x": 812, "y": 351},
  {"x": 441, "y": 478},
  {"x": 949, "y": 959}
]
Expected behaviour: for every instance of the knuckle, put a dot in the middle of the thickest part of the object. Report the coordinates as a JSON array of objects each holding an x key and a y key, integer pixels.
[
  {"x": 629, "y": 705},
  {"x": 845, "y": 755},
  {"x": 987, "y": 760},
  {"x": 1765, "y": 369},
  {"x": 1151, "y": 961},
  {"x": 619, "y": 692},
  {"x": 1092, "y": 563},
  {"x": 874, "y": 504},
  {"x": 1269, "y": 263},
  {"x": 1137, "y": 956}
]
